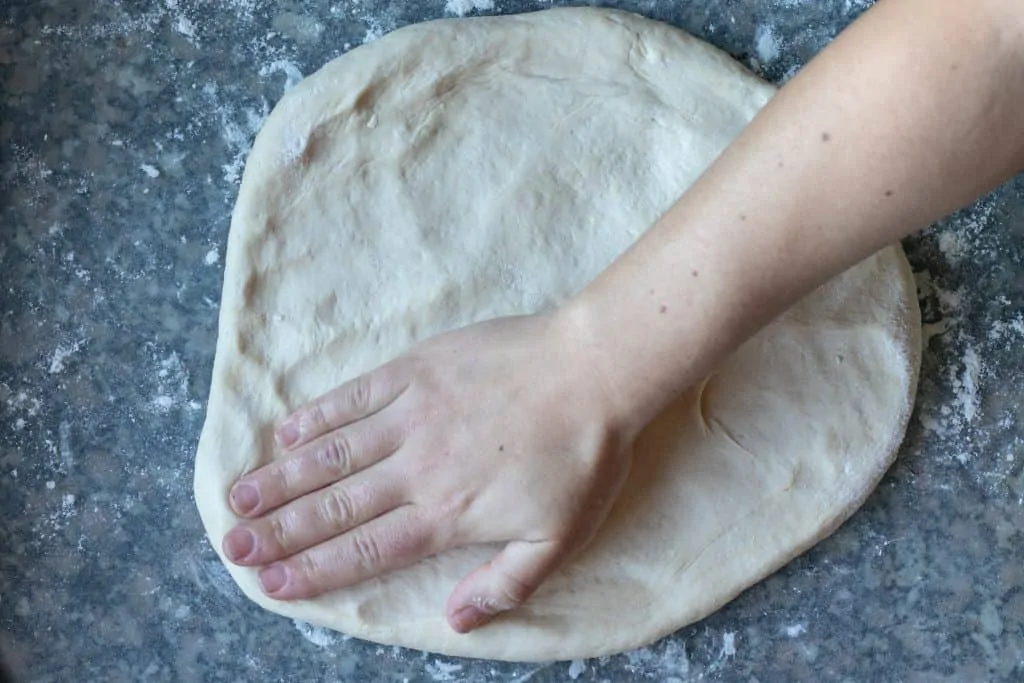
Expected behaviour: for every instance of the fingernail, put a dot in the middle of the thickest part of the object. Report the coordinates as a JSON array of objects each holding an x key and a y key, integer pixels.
[
  {"x": 288, "y": 434},
  {"x": 244, "y": 498},
  {"x": 273, "y": 578},
  {"x": 239, "y": 544},
  {"x": 468, "y": 618}
]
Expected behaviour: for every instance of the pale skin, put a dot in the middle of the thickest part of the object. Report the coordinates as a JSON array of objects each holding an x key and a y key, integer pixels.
[{"x": 519, "y": 430}]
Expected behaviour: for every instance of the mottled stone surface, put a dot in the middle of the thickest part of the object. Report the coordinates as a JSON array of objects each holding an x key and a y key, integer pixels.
[{"x": 123, "y": 131}]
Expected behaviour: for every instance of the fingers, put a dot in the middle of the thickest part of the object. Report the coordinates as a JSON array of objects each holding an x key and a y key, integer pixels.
[
  {"x": 390, "y": 542},
  {"x": 502, "y": 584},
  {"x": 325, "y": 460},
  {"x": 352, "y": 401},
  {"x": 311, "y": 519}
]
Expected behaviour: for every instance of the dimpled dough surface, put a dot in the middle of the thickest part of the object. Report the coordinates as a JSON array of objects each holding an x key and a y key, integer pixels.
[{"x": 459, "y": 170}]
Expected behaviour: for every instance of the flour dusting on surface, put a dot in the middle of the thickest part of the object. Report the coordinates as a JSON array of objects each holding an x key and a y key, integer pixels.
[
  {"x": 951, "y": 331},
  {"x": 442, "y": 671},
  {"x": 728, "y": 644},
  {"x": 171, "y": 379},
  {"x": 61, "y": 354},
  {"x": 461, "y": 8},
  {"x": 794, "y": 630},
  {"x": 321, "y": 637},
  {"x": 766, "y": 44},
  {"x": 292, "y": 74}
]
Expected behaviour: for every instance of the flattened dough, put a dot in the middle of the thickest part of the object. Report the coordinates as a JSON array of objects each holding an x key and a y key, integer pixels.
[{"x": 460, "y": 170}]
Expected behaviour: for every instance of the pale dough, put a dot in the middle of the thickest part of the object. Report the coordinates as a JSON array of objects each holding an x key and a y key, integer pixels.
[{"x": 460, "y": 170}]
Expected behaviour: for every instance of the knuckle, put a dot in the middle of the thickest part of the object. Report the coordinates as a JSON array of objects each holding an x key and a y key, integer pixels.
[
  {"x": 281, "y": 478},
  {"x": 336, "y": 508},
  {"x": 455, "y": 505},
  {"x": 361, "y": 394},
  {"x": 279, "y": 531},
  {"x": 316, "y": 416},
  {"x": 513, "y": 591},
  {"x": 307, "y": 567},
  {"x": 366, "y": 551},
  {"x": 336, "y": 455}
]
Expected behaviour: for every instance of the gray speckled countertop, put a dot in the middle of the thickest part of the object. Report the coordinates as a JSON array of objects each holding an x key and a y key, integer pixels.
[{"x": 123, "y": 132}]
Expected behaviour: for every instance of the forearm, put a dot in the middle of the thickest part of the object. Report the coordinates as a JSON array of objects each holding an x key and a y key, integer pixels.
[{"x": 914, "y": 111}]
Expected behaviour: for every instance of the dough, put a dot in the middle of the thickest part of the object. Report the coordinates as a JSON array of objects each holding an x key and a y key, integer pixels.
[{"x": 460, "y": 170}]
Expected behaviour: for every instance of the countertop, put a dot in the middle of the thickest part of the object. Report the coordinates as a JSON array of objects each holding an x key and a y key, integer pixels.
[{"x": 123, "y": 134}]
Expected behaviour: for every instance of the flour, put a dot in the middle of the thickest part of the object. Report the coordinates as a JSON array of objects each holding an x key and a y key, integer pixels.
[
  {"x": 185, "y": 27},
  {"x": 794, "y": 631},
  {"x": 1008, "y": 333},
  {"x": 212, "y": 256},
  {"x": 30, "y": 171},
  {"x": 320, "y": 637},
  {"x": 766, "y": 44},
  {"x": 968, "y": 339},
  {"x": 659, "y": 661},
  {"x": 966, "y": 385},
  {"x": 150, "y": 170},
  {"x": 461, "y": 8},
  {"x": 238, "y": 127},
  {"x": 442, "y": 671},
  {"x": 67, "y": 455},
  {"x": 24, "y": 403},
  {"x": 62, "y": 354},
  {"x": 289, "y": 69},
  {"x": 728, "y": 644},
  {"x": 171, "y": 391}
]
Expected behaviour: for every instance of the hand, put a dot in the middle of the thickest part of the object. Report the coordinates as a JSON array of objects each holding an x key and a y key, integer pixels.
[{"x": 498, "y": 432}]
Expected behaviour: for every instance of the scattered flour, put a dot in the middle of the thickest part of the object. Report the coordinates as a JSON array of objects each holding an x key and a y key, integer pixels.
[
  {"x": 150, "y": 170},
  {"x": 185, "y": 27},
  {"x": 373, "y": 33},
  {"x": 794, "y": 631},
  {"x": 61, "y": 354},
  {"x": 728, "y": 644},
  {"x": 659, "y": 661},
  {"x": 461, "y": 8},
  {"x": 966, "y": 385},
  {"x": 292, "y": 74},
  {"x": 577, "y": 667},
  {"x": 443, "y": 671},
  {"x": 321, "y": 637},
  {"x": 30, "y": 172},
  {"x": 766, "y": 44},
  {"x": 211, "y": 257},
  {"x": 171, "y": 385}
]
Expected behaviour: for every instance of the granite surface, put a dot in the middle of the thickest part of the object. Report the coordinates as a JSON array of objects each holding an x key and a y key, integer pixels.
[{"x": 123, "y": 133}]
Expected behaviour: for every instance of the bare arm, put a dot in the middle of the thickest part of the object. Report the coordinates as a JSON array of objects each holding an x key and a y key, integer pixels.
[{"x": 914, "y": 111}]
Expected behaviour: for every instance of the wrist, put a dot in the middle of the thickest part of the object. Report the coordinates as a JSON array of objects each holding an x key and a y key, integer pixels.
[{"x": 597, "y": 362}]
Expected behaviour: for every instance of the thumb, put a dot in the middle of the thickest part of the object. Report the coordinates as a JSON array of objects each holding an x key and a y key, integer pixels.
[{"x": 502, "y": 584}]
